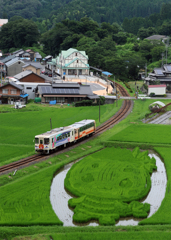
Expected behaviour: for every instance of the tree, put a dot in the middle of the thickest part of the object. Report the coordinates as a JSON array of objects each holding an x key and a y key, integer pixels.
[
  {"x": 120, "y": 38},
  {"x": 156, "y": 52},
  {"x": 143, "y": 33},
  {"x": 16, "y": 34}
]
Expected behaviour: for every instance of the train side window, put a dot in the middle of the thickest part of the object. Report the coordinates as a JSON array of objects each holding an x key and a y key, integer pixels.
[
  {"x": 57, "y": 138},
  {"x": 36, "y": 140},
  {"x": 60, "y": 137},
  {"x": 52, "y": 140},
  {"x": 46, "y": 140},
  {"x": 72, "y": 133},
  {"x": 75, "y": 131},
  {"x": 68, "y": 134}
]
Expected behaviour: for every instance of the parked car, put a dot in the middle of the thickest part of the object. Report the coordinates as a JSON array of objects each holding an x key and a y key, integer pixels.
[
  {"x": 50, "y": 74},
  {"x": 43, "y": 71},
  {"x": 19, "y": 105}
]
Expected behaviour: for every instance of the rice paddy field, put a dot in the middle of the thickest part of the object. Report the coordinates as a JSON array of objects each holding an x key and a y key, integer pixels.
[
  {"x": 147, "y": 133},
  {"x": 25, "y": 208}
]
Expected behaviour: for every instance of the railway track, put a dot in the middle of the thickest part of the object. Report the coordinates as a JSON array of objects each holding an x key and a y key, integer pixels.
[{"x": 125, "y": 109}]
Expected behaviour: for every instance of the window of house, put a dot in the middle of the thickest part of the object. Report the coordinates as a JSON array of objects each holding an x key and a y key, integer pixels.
[
  {"x": 13, "y": 91},
  {"x": 5, "y": 91},
  {"x": 28, "y": 87},
  {"x": 77, "y": 61},
  {"x": 75, "y": 54}
]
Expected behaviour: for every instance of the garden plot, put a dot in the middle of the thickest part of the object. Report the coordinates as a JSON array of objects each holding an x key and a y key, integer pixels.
[{"x": 109, "y": 185}]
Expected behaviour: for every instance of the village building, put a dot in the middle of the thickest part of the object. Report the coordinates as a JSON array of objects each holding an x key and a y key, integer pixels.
[
  {"x": 161, "y": 75},
  {"x": 157, "y": 90},
  {"x": 71, "y": 62},
  {"x": 11, "y": 92},
  {"x": 65, "y": 93},
  {"x": 14, "y": 66},
  {"x": 29, "y": 76},
  {"x": 32, "y": 66}
]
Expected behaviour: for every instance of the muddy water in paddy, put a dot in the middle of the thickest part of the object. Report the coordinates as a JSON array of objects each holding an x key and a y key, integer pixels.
[{"x": 59, "y": 197}]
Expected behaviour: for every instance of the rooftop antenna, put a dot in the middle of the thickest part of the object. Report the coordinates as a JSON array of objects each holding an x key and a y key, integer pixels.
[
  {"x": 167, "y": 44},
  {"x": 51, "y": 124}
]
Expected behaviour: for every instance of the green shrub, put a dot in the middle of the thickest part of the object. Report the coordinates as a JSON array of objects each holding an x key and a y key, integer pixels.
[{"x": 152, "y": 94}]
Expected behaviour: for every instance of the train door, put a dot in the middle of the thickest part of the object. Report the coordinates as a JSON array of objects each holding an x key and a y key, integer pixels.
[
  {"x": 78, "y": 133},
  {"x": 41, "y": 143}
]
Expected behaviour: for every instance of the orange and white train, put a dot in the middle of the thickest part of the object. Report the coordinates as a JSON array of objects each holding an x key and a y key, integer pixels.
[{"x": 63, "y": 136}]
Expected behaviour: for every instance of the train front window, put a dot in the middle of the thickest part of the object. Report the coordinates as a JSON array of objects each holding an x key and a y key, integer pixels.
[
  {"x": 41, "y": 141},
  {"x": 46, "y": 140},
  {"x": 36, "y": 140}
]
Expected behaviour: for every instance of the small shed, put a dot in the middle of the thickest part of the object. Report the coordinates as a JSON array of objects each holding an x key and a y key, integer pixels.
[{"x": 157, "y": 89}]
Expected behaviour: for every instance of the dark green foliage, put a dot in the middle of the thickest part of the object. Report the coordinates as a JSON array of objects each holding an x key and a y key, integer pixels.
[
  {"x": 152, "y": 94},
  {"x": 90, "y": 102},
  {"x": 17, "y": 34},
  {"x": 109, "y": 184},
  {"x": 84, "y": 103}
]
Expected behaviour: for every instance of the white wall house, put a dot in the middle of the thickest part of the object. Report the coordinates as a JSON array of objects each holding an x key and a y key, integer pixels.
[
  {"x": 71, "y": 62},
  {"x": 157, "y": 89}
]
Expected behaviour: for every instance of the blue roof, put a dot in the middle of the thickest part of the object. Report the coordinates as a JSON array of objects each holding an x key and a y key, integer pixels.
[
  {"x": 107, "y": 73},
  {"x": 23, "y": 96}
]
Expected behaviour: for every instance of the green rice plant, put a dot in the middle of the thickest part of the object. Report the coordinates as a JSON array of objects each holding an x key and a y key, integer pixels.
[
  {"x": 27, "y": 202},
  {"x": 149, "y": 133},
  {"x": 109, "y": 184}
]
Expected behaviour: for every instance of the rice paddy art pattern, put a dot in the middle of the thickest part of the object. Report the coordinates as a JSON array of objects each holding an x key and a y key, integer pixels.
[{"x": 109, "y": 184}]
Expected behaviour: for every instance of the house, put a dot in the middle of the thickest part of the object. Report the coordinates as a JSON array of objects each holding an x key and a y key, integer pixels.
[
  {"x": 14, "y": 66},
  {"x": 162, "y": 38},
  {"x": 162, "y": 75},
  {"x": 37, "y": 57},
  {"x": 29, "y": 76},
  {"x": 30, "y": 87},
  {"x": 72, "y": 62},
  {"x": 157, "y": 89},
  {"x": 64, "y": 92},
  {"x": 31, "y": 54},
  {"x": 32, "y": 66},
  {"x": 11, "y": 92},
  {"x": 2, "y": 22}
]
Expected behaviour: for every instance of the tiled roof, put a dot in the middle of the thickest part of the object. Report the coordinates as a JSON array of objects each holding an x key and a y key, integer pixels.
[{"x": 23, "y": 74}]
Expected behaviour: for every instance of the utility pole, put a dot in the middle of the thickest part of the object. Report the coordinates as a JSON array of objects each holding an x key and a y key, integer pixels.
[
  {"x": 116, "y": 97},
  {"x": 167, "y": 48},
  {"x": 146, "y": 69},
  {"x": 50, "y": 124},
  {"x": 99, "y": 109}
]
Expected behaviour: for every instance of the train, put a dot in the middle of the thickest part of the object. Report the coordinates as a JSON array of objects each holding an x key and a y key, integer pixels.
[{"x": 50, "y": 141}]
